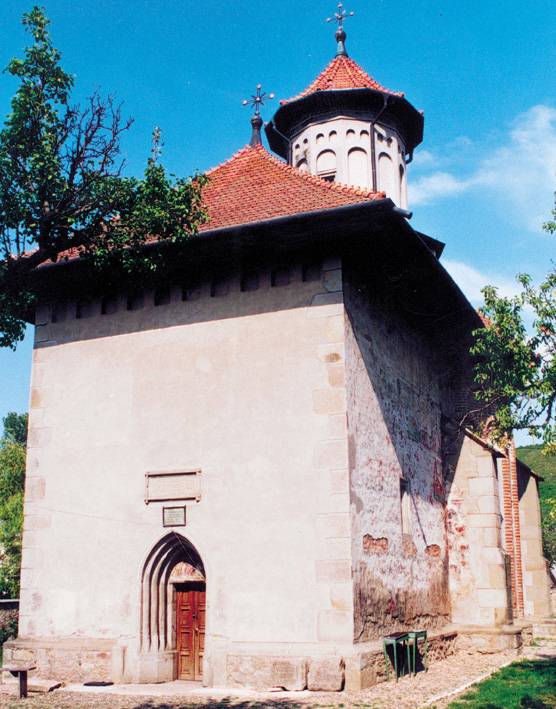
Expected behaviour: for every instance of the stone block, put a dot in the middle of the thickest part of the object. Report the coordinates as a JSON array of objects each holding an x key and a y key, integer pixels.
[
  {"x": 39, "y": 437},
  {"x": 333, "y": 571},
  {"x": 331, "y": 264},
  {"x": 331, "y": 352},
  {"x": 492, "y": 598},
  {"x": 37, "y": 521},
  {"x": 484, "y": 520},
  {"x": 341, "y": 596},
  {"x": 489, "y": 504},
  {"x": 329, "y": 401},
  {"x": 482, "y": 486},
  {"x": 492, "y": 555},
  {"x": 332, "y": 280},
  {"x": 339, "y": 480},
  {"x": 36, "y": 398},
  {"x": 335, "y": 626},
  {"x": 263, "y": 672},
  {"x": 491, "y": 537},
  {"x": 336, "y": 375},
  {"x": 23, "y": 655},
  {"x": 485, "y": 467},
  {"x": 338, "y": 548},
  {"x": 35, "y": 489},
  {"x": 336, "y": 426},
  {"x": 335, "y": 503},
  {"x": 289, "y": 674},
  {"x": 334, "y": 525},
  {"x": 497, "y": 576},
  {"x": 331, "y": 454},
  {"x": 326, "y": 674},
  {"x": 326, "y": 304},
  {"x": 335, "y": 328}
]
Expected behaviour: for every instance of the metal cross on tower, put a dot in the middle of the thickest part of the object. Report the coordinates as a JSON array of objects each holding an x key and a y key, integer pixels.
[
  {"x": 258, "y": 99},
  {"x": 256, "y": 102},
  {"x": 340, "y": 16}
]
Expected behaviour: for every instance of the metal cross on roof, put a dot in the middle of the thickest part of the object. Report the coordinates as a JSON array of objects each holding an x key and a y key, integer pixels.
[
  {"x": 340, "y": 15},
  {"x": 258, "y": 100}
]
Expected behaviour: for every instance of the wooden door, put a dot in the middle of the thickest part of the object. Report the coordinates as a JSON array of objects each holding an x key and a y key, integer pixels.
[{"x": 190, "y": 629}]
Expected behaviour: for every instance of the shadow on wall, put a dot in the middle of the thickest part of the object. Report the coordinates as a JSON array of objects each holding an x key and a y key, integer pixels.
[{"x": 397, "y": 381}]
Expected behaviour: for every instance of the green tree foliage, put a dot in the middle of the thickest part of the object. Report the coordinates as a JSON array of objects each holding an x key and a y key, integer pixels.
[
  {"x": 12, "y": 481},
  {"x": 15, "y": 427},
  {"x": 61, "y": 184},
  {"x": 516, "y": 365},
  {"x": 545, "y": 466},
  {"x": 515, "y": 372}
]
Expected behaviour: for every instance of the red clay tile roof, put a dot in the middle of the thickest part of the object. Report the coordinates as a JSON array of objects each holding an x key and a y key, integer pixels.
[
  {"x": 254, "y": 186},
  {"x": 342, "y": 73}
]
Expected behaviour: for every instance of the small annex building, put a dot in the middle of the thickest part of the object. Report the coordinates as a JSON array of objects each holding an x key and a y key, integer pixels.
[{"x": 253, "y": 472}]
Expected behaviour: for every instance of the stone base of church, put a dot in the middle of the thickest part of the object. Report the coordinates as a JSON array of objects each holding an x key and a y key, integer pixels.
[
  {"x": 154, "y": 668},
  {"x": 65, "y": 659},
  {"x": 349, "y": 667},
  {"x": 367, "y": 666},
  {"x": 495, "y": 639}
]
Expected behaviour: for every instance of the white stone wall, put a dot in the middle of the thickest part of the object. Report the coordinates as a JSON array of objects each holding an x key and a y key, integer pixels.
[
  {"x": 341, "y": 148},
  {"x": 477, "y": 567},
  {"x": 248, "y": 387},
  {"x": 535, "y": 575}
]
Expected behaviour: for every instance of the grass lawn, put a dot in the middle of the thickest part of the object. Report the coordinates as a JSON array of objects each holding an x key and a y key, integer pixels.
[{"x": 530, "y": 684}]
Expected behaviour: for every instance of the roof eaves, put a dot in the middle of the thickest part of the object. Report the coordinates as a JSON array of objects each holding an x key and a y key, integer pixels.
[{"x": 484, "y": 444}]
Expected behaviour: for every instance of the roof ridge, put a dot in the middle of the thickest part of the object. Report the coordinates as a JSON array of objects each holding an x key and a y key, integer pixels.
[{"x": 228, "y": 160}]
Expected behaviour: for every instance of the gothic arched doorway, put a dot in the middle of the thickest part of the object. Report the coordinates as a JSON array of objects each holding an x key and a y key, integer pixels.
[{"x": 173, "y": 592}]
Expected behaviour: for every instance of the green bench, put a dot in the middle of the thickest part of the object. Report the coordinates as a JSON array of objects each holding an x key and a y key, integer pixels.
[{"x": 404, "y": 648}]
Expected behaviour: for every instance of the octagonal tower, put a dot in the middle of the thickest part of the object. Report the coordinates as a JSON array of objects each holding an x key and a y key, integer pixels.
[{"x": 348, "y": 128}]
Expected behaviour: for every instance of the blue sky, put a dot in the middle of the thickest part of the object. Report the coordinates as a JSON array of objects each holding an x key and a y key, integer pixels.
[{"x": 484, "y": 177}]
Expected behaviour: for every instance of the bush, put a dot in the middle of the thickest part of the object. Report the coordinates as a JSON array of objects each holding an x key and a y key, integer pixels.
[{"x": 8, "y": 625}]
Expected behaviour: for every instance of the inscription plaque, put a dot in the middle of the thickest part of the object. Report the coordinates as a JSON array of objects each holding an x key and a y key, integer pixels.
[
  {"x": 173, "y": 486},
  {"x": 173, "y": 517}
]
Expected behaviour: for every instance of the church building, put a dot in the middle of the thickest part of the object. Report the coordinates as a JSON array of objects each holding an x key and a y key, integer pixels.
[{"x": 252, "y": 473}]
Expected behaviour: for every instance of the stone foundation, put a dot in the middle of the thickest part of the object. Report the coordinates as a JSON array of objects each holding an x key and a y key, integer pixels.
[
  {"x": 360, "y": 667},
  {"x": 368, "y": 666},
  {"x": 69, "y": 660},
  {"x": 490, "y": 640},
  {"x": 352, "y": 668}
]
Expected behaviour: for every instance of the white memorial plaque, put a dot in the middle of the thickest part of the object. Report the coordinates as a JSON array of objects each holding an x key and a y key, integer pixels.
[
  {"x": 173, "y": 517},
  {"x": 167, "y": 487}
]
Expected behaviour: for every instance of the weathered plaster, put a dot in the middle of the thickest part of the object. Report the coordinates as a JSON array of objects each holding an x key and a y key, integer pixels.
[{"x": 394, "y": 433}]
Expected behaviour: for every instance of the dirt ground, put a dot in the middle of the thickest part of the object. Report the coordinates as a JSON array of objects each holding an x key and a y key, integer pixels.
[{"x": 425, "y": 690}]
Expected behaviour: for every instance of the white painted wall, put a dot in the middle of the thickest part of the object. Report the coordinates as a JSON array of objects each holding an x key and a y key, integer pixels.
[
  {"x": 249, "y": 388},
  {"x": 341, "y": 148}
]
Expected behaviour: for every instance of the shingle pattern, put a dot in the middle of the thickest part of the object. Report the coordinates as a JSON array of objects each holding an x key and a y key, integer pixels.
[
  {"x": 342, "y": 73},
  {"x": 255, "y": 186}
]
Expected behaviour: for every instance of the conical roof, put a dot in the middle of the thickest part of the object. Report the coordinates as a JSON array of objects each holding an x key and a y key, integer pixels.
[{"x": 342, "y": 73}]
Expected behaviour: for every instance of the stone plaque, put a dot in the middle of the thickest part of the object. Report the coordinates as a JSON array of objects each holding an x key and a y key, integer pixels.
[
  {"x": 173, "y": 516},
  {"x": 167, "y": 487}
]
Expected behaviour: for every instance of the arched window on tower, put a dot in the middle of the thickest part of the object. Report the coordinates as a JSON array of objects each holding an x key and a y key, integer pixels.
[
  {"x": 326, "y": 165},
  {"x": 302, "y": 165},
  {"x": 358, "y": 168},
  {"x": 387, "y": 177}
]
